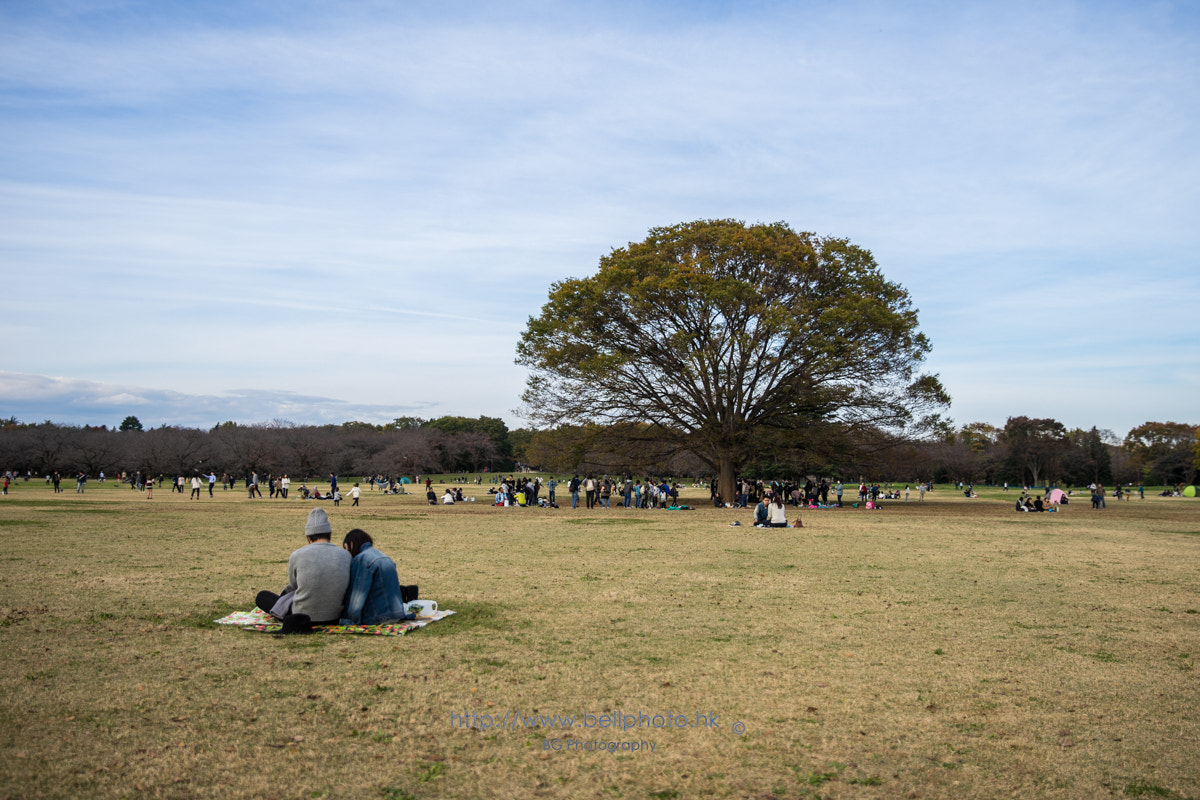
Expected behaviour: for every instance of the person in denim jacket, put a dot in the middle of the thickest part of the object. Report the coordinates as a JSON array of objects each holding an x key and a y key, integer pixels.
[{"x": 374, "y": 595}]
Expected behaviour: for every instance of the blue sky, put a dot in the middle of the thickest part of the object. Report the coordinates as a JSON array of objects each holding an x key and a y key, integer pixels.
[{"x": 321, "y": 211}]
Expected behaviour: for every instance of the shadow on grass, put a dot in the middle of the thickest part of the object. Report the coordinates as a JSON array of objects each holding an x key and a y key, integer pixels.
[
  {"x": 1144, "y": 789},
  {"x": 206, "y": 618},
  {"x": 65, "y": 506},
  {"x": 467, "y": 616}
]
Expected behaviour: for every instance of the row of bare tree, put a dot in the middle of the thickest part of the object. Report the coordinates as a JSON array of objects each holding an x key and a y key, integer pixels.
[
  {"x": 1025, "y": 451},
  {"x": 275, "y": 448}
]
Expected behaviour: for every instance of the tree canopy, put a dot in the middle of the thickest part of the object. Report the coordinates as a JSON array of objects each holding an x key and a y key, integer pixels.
[
  {"x": 711, "y": 332},
  {"x": 1165, "y": 450}
]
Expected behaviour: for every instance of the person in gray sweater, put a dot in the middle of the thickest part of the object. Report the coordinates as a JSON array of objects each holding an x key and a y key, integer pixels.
[{"x": 318, "y": 576}]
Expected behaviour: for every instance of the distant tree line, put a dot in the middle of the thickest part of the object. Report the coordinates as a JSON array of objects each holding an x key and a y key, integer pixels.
[
  {"x": 407, "y": 446},
  {"x": 1025, "y": 451}
]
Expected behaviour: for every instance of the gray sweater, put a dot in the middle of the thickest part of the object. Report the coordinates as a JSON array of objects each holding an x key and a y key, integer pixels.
[{"x": 320, "y": 574}]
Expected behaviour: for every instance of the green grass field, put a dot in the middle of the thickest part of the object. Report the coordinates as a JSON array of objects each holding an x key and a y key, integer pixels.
[{"x": 945, "y": 649}]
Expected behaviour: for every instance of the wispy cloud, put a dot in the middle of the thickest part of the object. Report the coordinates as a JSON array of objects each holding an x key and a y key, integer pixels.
[{"x": 33, "y": 398}]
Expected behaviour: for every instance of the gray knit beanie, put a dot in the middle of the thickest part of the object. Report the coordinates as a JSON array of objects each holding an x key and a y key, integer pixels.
[{"x": 318, "y": 524}]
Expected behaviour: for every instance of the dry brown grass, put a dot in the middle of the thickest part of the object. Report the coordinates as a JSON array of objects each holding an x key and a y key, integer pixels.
[{"x": 946, "y": 649}]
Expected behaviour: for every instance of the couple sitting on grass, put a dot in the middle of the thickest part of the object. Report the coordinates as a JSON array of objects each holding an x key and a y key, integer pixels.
[
  {"x": 355, "y": 584},
  {"x": 771, "y": 513}
]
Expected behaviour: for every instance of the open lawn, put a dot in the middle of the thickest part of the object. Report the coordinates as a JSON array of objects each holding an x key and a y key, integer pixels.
[{"x": 945, "y": 649}]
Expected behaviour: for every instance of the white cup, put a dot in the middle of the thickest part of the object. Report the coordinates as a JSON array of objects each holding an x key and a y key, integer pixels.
[{"x": 423, "y": 608}]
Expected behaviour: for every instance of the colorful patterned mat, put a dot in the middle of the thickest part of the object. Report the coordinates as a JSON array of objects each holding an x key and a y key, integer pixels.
[{"x": 261, "y": 622}]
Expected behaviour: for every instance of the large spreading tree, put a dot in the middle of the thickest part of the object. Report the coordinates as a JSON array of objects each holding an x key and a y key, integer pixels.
[{"x": 723, "y": 337}]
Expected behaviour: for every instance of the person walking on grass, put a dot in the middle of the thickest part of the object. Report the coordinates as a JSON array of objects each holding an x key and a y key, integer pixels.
[
  {"x": 355, "y": 493},
  {"x": 589, "y": 487}
]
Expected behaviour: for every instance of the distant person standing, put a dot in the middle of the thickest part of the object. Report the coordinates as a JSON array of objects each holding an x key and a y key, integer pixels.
[
  {"x": 212, "y": 480},
  {"x": 284, "y": 483},
  {"x": 355, "y": 493},
  {"x": 195, "y": 495},
  {"x": 332, "y": 483}
]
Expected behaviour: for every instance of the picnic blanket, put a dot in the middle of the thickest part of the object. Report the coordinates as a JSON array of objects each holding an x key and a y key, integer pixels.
[{"x": 260, "y": 621}]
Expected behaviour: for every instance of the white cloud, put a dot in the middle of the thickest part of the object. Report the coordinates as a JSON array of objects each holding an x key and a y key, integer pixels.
[
  {"x": 369, "y": 201},
  {"x": 32, "y": 398}
]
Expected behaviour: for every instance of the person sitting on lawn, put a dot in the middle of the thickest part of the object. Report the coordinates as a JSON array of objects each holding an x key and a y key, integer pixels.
[
  {"x": 778, "y": 513},
  {"x": 318, "y": 576},
  {"x": 375, "y": 596},
  {"x": 761, "y": 514}
]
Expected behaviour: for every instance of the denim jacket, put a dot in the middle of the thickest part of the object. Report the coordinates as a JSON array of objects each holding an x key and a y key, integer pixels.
[{"x": 374, "y": 593}]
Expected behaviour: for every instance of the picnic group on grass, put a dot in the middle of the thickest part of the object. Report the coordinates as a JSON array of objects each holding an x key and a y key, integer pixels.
[
  {"x": 354, "y": 584},
  {"x": 598, "y": 492}
]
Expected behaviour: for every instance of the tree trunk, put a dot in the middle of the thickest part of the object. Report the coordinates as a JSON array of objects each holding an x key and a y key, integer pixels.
[
  {"x": 1033, "y": 468},
  {"x": 727, "y": 478}
]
